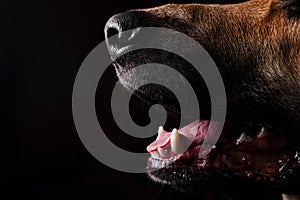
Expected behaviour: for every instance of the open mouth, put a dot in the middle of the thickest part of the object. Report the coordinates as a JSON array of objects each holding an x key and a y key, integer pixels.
[
  {"x": 254, "y": 152},
  {"x": 262, "y": 154}
]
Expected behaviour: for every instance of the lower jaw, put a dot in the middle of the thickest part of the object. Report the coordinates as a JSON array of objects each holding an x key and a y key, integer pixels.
[{"x": 271, "y": 169}]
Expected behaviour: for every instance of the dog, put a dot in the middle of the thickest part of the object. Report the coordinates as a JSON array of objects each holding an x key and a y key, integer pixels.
[{"x": 256, "y": 47}]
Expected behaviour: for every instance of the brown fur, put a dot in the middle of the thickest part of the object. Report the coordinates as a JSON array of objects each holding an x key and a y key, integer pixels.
[
  {"x": 259, "y": 30},
  {"x": 257, "y": 41}
]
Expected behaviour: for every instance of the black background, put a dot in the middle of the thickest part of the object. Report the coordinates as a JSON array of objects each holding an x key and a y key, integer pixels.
[{"x": 43, "y": 44}]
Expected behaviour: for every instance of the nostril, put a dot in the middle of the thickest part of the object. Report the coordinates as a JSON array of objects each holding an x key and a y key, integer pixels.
[
  {"x": 118, "y": 24},
  {"x": 111, "y": 32}
]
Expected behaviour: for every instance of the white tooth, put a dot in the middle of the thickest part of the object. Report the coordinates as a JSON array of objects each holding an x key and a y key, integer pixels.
[
  {"x": 176, "y": 144},
  {"x": 263, "y": 132},
  {"x": 164, "y": 153},
  {"x": 160, "y": 130},
  {"x": 244, "y": 138},
  {"x": 154, "y": 154}
]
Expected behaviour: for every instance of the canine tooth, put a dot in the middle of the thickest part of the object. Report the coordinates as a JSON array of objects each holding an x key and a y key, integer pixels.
[
  {"x": 176, "y": 144},
  {"x": 244, "y": 138},
  {"x": 164, "y": 153},
  {"x": 154, "y": 154},
  {"x": 160, "y": 129},
  {"x": 263, "y": 132}
]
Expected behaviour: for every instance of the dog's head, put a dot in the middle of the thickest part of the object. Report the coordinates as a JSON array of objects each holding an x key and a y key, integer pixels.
[{"x": 256, "y": 46}]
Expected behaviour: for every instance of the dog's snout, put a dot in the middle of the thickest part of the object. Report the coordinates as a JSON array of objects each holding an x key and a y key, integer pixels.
[{"x": 120, "y": 25}]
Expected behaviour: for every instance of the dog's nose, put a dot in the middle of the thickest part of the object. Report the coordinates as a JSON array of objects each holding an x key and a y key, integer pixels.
[{"x": 117, "y": 25}]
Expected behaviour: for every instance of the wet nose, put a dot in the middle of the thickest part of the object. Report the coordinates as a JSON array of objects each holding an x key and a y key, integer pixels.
[{"x": 117, "y": 25}]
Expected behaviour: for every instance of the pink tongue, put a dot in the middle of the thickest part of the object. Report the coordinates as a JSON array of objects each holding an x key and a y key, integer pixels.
[
  {"x": 195, "y": 130},
  {"x": 162, "y": 140}
]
